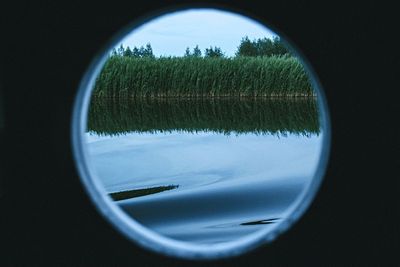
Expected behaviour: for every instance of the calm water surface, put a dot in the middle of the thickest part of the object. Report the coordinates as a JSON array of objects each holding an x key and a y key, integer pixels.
[
  {"x": 204, "y": 170},
  {"x": 205, "y": 186}
]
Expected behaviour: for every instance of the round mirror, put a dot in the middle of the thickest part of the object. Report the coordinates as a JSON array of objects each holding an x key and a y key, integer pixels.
[{"x": 200, "y": 133}]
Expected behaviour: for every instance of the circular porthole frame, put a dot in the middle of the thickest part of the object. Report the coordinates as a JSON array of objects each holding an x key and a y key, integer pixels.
[{"x": 148, "y": 238}]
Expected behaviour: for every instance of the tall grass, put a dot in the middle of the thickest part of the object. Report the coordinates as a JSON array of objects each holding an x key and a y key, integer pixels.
[
  {"x": 222, "y": 115},
  {"x": 124, "y": 77}
]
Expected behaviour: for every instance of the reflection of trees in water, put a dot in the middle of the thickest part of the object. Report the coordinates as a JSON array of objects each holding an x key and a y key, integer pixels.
[{"x": 223, "y": 115}]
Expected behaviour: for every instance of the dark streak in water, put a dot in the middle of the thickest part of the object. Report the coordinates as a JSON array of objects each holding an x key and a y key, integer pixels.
[
  {"x": 267, "y": 221},
  {"x": 121, "y": 195}
]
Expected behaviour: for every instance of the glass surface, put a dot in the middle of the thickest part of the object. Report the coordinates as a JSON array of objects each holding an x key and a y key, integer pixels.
[
  {"x": 207, "y": 145},
  {"x": 204, "y": 170}
]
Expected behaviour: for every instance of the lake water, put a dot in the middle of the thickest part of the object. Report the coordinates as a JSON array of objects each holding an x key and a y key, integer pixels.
[{"x": 204, "y": 178}]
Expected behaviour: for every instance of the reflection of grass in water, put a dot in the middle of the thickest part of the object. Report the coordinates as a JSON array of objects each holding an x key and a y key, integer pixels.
[
  {"x": 121, "y": 195},
  {"x": 222, "y": 115}
]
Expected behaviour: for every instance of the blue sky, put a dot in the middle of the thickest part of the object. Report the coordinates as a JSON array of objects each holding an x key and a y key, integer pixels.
[{"x": 170, "y": 34}]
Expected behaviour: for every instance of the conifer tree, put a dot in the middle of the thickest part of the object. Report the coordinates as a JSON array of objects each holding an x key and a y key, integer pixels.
[
  {"x": 187, "y": 52},
  {"x": 196, "y": 51},
  {"x": 128, "y": 52},
  {"x": 213, "y": 52}
]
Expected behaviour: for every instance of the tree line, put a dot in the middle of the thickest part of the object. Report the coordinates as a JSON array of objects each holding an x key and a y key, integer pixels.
[{"x": 249, "y": 48}]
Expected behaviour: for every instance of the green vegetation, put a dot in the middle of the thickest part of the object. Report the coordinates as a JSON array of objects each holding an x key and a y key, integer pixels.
[
  {"x": 222, "y": 115},
  {"x": 213, "y": 52},
  {"x": 196, "y": 52},
  {"x": 146, "y": 52},
  {"x": 261, "y": 47},
  {"x": 262, "y": 68},
  {"x": 202, "y": 77},
  {"x": 121, "y": 195}
]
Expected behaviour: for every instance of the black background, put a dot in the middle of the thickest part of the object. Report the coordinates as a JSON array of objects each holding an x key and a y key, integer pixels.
[{"x": 46, "y": 218}]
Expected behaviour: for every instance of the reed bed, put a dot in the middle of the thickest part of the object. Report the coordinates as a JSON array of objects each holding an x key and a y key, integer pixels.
[{"x": 268, "y": 76}]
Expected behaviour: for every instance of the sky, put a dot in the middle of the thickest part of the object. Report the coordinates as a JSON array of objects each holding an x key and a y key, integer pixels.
[{"x": 170, "y": 34}]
